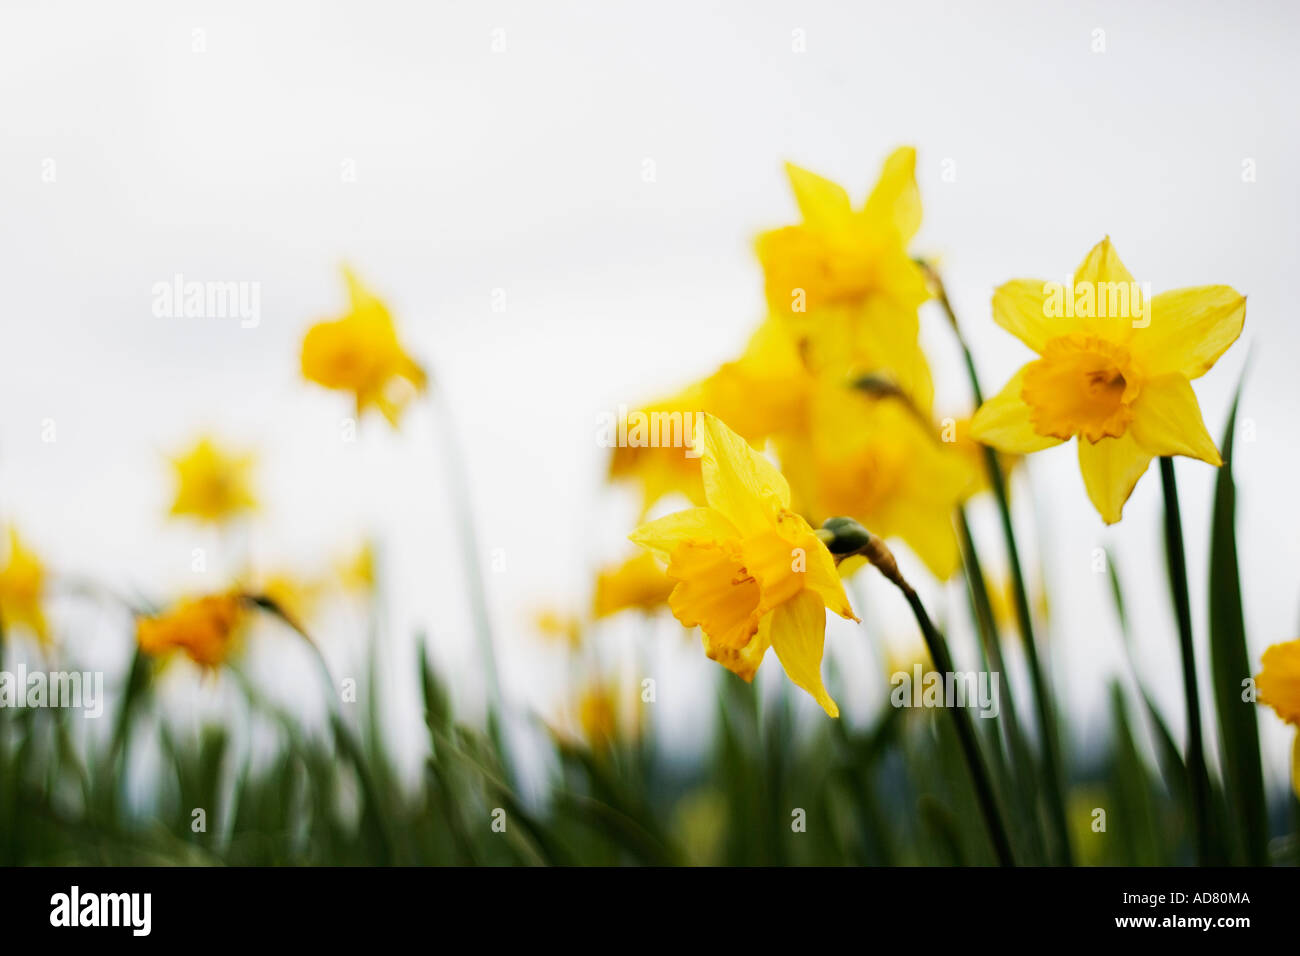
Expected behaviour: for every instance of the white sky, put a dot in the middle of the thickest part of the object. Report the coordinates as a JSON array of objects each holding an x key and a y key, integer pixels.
[{"x": 522, "y": 170}]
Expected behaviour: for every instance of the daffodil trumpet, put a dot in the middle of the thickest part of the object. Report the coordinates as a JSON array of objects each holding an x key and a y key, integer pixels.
[{"x": 846, "y": 538}]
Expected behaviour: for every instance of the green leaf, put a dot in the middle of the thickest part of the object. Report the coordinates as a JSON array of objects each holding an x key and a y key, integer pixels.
[{"x": 1230, "y": 667}]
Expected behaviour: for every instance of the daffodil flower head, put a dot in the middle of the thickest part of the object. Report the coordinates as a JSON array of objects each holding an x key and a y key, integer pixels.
[
  {"x": 877, "y": 460},
  {"x": 213, "y": 484},
  {"x": 844, "y": 282},
  {"x": 205, "y": 629},
  {"x": 1279, "y": 681},
  {"x": 598, "y": 715},
  {"x": 657, "y": 468},
  {"x": 558, "y": 626},
  {"x": 638, "y": 583},
  {"x": 1278, "y": 685},
  {"x": 760, "y": 394},
  {"x": 22, "y": 590},
  {"x": 1114, "y": 371},
  {"x": 360, "y": 353},
  {"x": 749, "y": 572}
]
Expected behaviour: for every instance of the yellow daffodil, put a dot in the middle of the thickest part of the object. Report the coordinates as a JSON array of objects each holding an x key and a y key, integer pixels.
[
  {"x": 876, "y": 460},
  {"x": 957, "y": 433},
  {"x": 212, "y": 484},
  {"x": 294, "y": 595},
  {"x": 844, "y": 281},
  {"x": 22, "y": 591},
  {"x": 660, "y": 469},
  {"x": 904, "y": 656},
  {"x": 762, "y": 393},
  {"x": 749, "y": 571},
  {"x": 357, "y": 571},
  {"x": 1114, "y": 370},
  {"x": 206, "y": 629},
  {"x": 555, "y": 625},
  {"x": 1002, "y": 602},
  {"x": 1279, "y": 687},
  {"x": 360, "y": 353},
  {"x": 598, "y": 715},
  {"x": 637, "y": 583}
]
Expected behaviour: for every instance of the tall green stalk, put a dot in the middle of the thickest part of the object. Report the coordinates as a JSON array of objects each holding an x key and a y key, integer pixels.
[
  {"x": 1053, "y": 771},
  {"x": 846, "y": 537},
  {"x": 1196, "y": 768},
  {"x": 942, "y": 658},
  {"x": 1022, "y": 760}
]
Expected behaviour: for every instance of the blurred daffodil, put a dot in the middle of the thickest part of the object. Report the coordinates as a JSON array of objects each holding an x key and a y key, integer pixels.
[
  {"x": 1279, "y": 687},
  {"x": 205, "y": 629},
  {"x": 638, "y": 583},
  {"x": 22, "y": 591},
  {"x": 844, "y": 282},
  {"x": 957, "y": 433},
  {"x": 360, "y": 353},
  {"x": 598, "y": 715},
  {"x": 294, "y": 595},
  {"x": 749, "y": 571},
  {"x": 559, "y": 626},
  {"x": 357, "y": 571},
  {"x": 213, "y": 484},
  {"x": 760, "y": 394},
  {"x": 876, "y": 460},
  {"x": 1114, "y": 370},
  {"x": 660, "y": 469}
]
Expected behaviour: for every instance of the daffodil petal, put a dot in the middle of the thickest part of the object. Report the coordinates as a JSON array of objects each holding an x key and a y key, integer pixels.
[
  {"x": 1106, "y": 280},
  {"x": 742, "y": 661},
  {"x": 1189, "y": 329},
  {"x": 1295, "y": 764},
  {"x": 1021, "y": 306},
  {"x": 1167, "y": 421},
  {"x": 821, "y": 201},
  {"x": 739, "y": 482},
  {"x": 714, "y": 594},
  {"x": 1003, "y": 421},
  {"x": 798, "y": 632},
  {"x": 664, "y": 535},
  {"x": 823, "y": 579},
  {"x": 1278, "y": 681},
  {"x": 1111, "y": 468},
  {"x": 928, "y": 532},
  {"x": 1102, "y": 264},
  {"x": 895, "y": 199}
]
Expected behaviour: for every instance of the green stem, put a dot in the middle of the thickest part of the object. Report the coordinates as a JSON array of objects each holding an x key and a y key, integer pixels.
[
  {"x": 942, "y": 658},
  {"x": 1037, "y": 674},
  {"x": 1021, "y": 756},
  {"x": 1199, "y": 774},
  {"x": 848, "y": 537}
]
